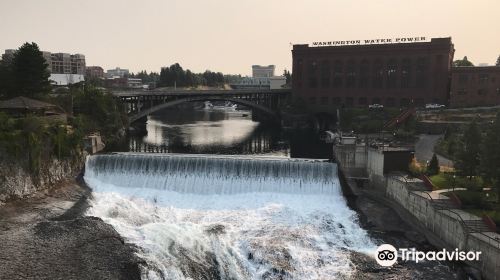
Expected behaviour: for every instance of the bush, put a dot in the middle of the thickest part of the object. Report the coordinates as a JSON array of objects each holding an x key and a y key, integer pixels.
[
  {"x": 471, "y": 199},
  {"x": 472, "y": 184},
  {"x": 416, "y": 170}
]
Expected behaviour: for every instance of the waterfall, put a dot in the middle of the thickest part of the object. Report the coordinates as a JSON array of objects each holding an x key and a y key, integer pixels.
[
  {"x": 203, "y": 174},
  {"x": 228, "y": 217}
]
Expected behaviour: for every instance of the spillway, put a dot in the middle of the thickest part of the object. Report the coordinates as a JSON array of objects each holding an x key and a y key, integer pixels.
[{"x": 228, "y": 217}]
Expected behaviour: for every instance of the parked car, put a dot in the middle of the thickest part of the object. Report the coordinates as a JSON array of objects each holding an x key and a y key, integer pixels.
[
  {"x": 434, "y": 106},
  {"x": 376, "y": 106}
]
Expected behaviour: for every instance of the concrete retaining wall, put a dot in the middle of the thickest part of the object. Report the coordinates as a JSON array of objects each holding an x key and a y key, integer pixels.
[{"x": 448, "y": 227}]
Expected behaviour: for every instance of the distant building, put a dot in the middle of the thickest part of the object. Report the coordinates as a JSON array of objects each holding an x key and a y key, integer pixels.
[
  {"x": 65, "y": 63},
  {"x": 121, "y": 82},
  {"x": 475, "y": 86},
  {"x": 63, "y": 67},
  {"x": 262, "y": 77},
  {"x": 394, "y": 73},
  {"x": 134, "y": 83},
  {"x": 22, "y": 106},
  {"x": 277, "y": 82},
  {"x": 95, "y": 72},
  {"x": 66, "y": 79},
  {"x": 117, "y": 72},
  {"x": 259, "y": 71}
]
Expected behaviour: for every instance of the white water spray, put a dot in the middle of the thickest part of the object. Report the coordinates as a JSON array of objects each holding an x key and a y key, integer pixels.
[{"x": 226, "y": 217}]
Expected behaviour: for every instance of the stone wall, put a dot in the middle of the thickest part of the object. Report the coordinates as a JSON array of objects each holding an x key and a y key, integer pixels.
[
  {"x": 447, "y": 225},
  {"x": 16, "y": 182}
]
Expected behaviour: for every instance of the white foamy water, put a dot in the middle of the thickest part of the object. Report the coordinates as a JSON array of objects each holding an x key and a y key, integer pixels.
[{"x": 207, "y": 217}]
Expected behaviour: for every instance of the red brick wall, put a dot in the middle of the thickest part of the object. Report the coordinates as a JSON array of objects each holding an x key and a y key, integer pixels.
[
  {"x": 394, "y": 75},
  {"x": 475, "y": 86}
]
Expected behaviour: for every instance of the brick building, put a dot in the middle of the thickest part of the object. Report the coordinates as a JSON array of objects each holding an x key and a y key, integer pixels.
[
  {"x": 95, "y": 72},
  {"x": 475, "y": 86},
  {"x": 393, "y": 74}
]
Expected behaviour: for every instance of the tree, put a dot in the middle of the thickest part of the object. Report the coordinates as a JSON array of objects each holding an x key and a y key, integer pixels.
[
  {"x": 288, "y": 76},
  {"x": 30, "y": 75},
  {"x": 490, "y": 157},
  {"x": 498, "y": 61},
  {"x": 463, "y": 62},
  {"x": 6, "y": 82},
  {"x": 468, "y": 159},
  {"x": 433, "y": 168}
]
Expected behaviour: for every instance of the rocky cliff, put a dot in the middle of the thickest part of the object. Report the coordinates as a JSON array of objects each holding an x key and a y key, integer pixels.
[{"x": 17, "y": 182}]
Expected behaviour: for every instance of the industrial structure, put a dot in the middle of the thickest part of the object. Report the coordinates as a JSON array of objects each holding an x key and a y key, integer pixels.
[
  {"x": 395, "y": 73},
  {"x": 475, "y": 86}
]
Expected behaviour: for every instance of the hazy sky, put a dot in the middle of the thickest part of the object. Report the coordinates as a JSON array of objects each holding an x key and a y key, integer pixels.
[{"x": 231, "y": 35}]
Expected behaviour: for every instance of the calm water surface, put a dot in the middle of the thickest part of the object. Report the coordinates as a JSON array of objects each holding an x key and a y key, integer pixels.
[{"x": 219, "y": 131}]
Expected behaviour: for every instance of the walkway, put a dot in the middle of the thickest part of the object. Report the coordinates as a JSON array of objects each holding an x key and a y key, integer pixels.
[{"x": 424, "y": 149}]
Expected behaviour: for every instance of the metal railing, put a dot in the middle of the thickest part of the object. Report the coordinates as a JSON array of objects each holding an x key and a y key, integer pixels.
[{"x": 459, "y": 218}]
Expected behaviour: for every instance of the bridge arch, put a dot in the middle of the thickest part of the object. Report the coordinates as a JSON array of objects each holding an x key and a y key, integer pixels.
[{"x": 148, "y": 111}]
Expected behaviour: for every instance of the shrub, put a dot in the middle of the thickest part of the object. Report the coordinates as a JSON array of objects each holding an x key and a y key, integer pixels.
[{"x": 471, "y": 199}]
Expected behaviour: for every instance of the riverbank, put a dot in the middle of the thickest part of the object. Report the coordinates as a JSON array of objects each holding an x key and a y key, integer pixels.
[
  {"x": 47, "y": 237},
  {"x": 385, "y": 225}
]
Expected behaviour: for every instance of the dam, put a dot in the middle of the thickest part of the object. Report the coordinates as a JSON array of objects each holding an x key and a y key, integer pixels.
[{"x": 228, "y": 217}]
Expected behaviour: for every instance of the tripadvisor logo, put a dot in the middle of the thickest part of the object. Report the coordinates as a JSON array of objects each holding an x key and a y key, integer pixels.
[{"x": 387, "y": 255}]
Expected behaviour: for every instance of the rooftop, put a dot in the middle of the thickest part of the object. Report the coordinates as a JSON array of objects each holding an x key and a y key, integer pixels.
[{"x": 22, "y": 102}]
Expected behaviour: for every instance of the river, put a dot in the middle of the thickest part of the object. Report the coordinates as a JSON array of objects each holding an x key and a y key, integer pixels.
[
  {"x": 216, "y": 131},
  {"x": 246, "y": 210}
]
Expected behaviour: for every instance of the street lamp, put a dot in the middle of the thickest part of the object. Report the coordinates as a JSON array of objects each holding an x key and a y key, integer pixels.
[{"x": 454, "y": 182}]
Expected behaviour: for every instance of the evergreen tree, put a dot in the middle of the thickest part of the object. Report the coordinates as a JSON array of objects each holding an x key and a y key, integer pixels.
[
  {"x": 468, "y": 159},
  {"x": 498, "y": 61},
  {"x": 490, "y": 157},
  {"x": 29, "y": 72},
  {"x": 6, "y": 82},
  {"x": 288, "y": 76},
  {"x": 462, "y": 62},
  {"x": 433, "y": 168}
]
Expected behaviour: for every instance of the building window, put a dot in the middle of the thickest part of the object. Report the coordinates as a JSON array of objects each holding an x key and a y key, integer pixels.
[
  {"x": 312, "y": 100},
  {"x": 390, "y": 102},
  {"x": 364, "y": 70},
  {"x": 313, "y": 73},
  {"x": 324, "y": 100},
  {"x": 338, "y": 72},
  {"x": 406, "y": 73},
  {"x": 462, "y": 91},
  {"x": 349, "y": 101},
  {"x": 405, "y": 102},
  {"x": 392, "y": 73},
  {"x": 482, "y": 91},
  {"x": 378, "y": 74},
  {"x": 376, "y": 100},
  {"x": 336, "y": 101},
  {"x": 419, "y": 102},
  {"x": 351, "y": 74},
  {"x": 325, "y": 74},
  {"x": 483, "y": 79},
  {"x": 422, "y": 72},
  {"x": 362, "y": 101},
  {"x": 463, "y": 78}
]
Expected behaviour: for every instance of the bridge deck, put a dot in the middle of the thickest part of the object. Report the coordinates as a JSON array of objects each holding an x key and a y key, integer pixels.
[{"x": 132, "y": 93}]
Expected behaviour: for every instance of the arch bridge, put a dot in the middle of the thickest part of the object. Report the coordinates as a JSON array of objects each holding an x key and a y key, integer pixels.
[{"x": 141, "y": 103}]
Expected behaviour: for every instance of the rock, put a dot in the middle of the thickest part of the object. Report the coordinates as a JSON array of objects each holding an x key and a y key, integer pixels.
[
  {"x": 39, "y": 240},
  {"x": 17, "y": 183}
]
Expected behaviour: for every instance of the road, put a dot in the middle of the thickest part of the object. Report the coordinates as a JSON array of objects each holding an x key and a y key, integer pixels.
[{"x": 424, "y": 149}]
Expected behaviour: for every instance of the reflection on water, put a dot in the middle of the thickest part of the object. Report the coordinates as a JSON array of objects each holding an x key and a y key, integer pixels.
[{"x": 183, "y": 130}]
